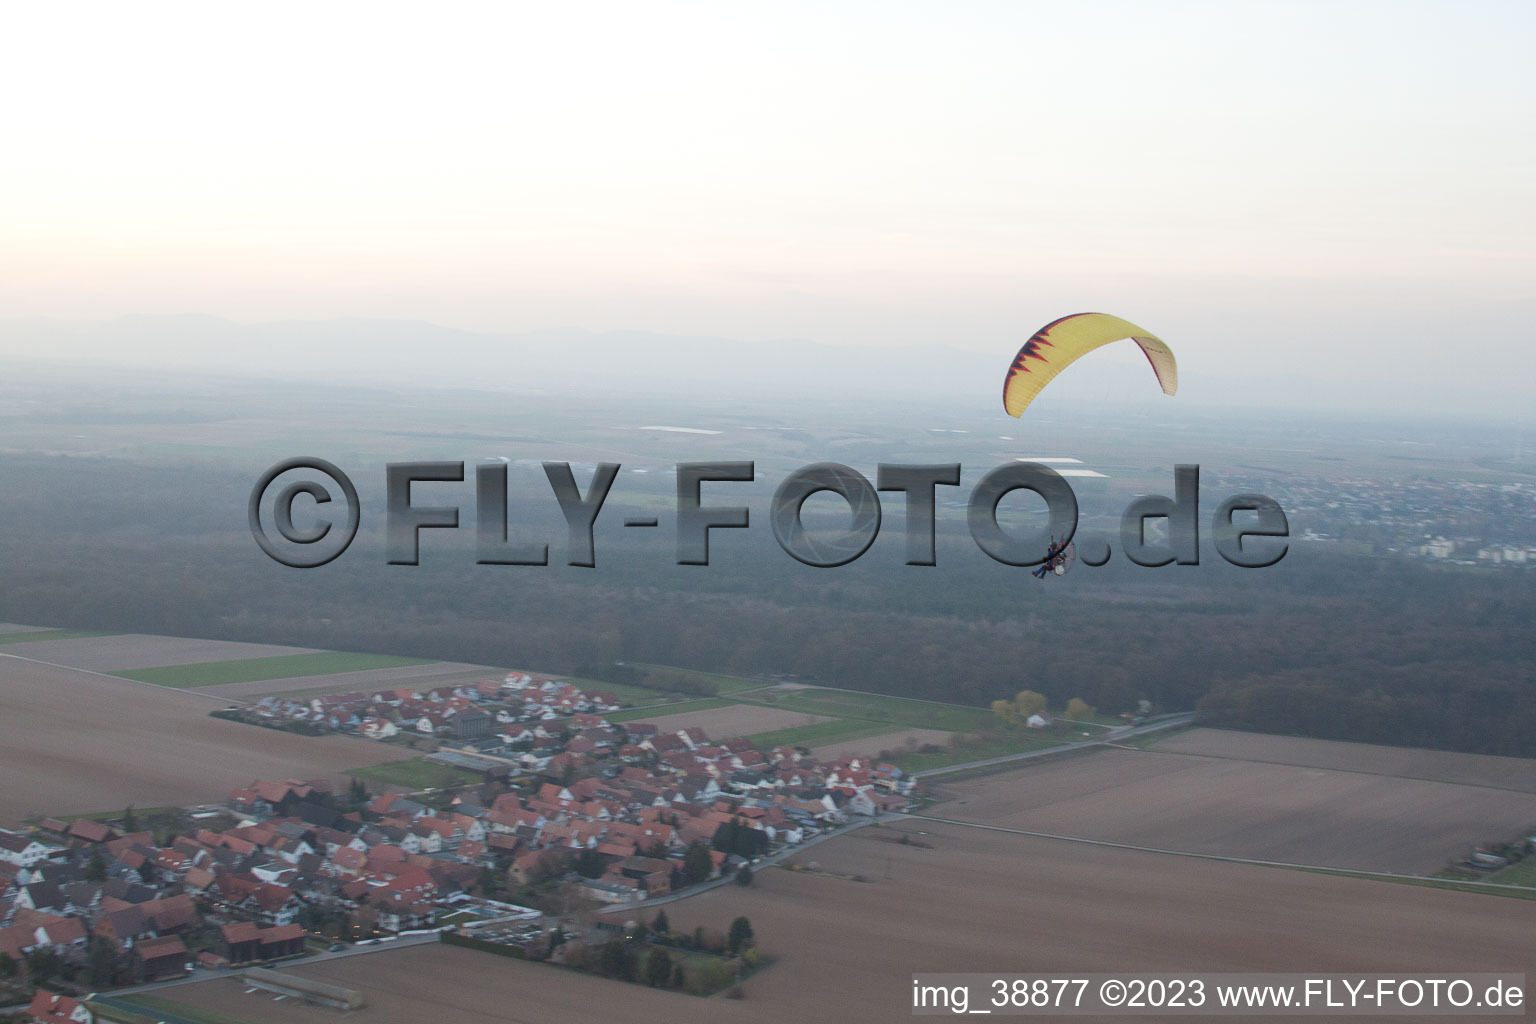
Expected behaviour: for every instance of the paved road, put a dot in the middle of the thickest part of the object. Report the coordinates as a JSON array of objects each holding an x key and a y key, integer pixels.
[
  {"x": 763, "y": 862},
  {"x": 205, "y": 974}
]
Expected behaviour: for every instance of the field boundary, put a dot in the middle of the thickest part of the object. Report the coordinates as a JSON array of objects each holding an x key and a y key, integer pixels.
[
  {"x": 1494, "y": 888},
  {"x": 125, "y": 679},
  {"x": 1324, "y": 768},
  {"x": 275, "y": 668}
]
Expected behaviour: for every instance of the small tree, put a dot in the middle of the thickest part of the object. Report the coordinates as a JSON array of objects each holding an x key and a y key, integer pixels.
[
  {"x": 1030, "y": 703},
  {"x": 589, "y": 864},
  {"x": 744, "y": 875},
  {"x": 101, "y": 965},
  {"x": 8, "y": 968},
  {"x": 660, "y": 925},
  {"x": 42, "y": 964},
  {"x": 130, "y": 820},
  {"x": 658, "y": 968},
  {"x": 679, "y": 977},
  {"x": 95, "y": 868},
  {"x": 1007, "y": 710},
  {"x": 697, "y": 863},
  {"x": 740, "y": 936},
  {"x": 1079, "y": 710},
  {"x": 614, "y": 960}
]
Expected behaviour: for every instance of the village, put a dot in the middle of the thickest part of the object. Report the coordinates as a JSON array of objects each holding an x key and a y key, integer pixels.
[{"x": 574, "y": 813}]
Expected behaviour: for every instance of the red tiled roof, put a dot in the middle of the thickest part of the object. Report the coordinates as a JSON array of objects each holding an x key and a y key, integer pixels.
[
  {"x": 50, "y": 1006},
  {"x": 154, "y": 949},
  {"x": 241, "y": 931},
  {"x": 282, "y": 933}
]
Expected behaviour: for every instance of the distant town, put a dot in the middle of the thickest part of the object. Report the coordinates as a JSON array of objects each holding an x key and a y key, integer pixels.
[{"x": 1459, "y": 521}]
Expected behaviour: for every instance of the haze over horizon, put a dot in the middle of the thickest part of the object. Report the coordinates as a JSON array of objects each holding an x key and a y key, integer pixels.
[{"x": 1285, "y": 192}]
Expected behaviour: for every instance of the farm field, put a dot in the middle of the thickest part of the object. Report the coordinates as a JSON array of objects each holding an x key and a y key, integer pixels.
[
  {"x": 427, "y": 674},
  {"x": 722, "y": 723},
  {"x": 971, "y": 901},
  {"x": 725, "y": 684},
  {"x": 252, "y": 669},
  {"x": 832, "y": 730},
  {"x": 1404, "y": 762},
  {"x": 676, "y": 707},
  {"x": 129, "y": 651},
  {"x": 414, "y": 774},
  {"x": 835, "y": 723},
  {"x": 882, "y": 741},
  {"x": 874, "y": 707},
  {"x": 1266, "y": 811},
  {"x": 33, "y": 634},
  {"x": 74, "y": 742}
]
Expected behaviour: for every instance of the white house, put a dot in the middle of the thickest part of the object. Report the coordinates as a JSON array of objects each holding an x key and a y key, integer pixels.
[{"x": 23, "y": 851}]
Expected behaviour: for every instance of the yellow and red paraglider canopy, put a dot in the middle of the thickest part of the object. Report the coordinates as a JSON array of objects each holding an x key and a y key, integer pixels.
[{"x": 1062, "y": 342}]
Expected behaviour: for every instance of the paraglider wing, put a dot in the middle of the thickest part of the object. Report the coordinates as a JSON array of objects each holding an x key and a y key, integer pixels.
[{"x": 1061, "y": 342}]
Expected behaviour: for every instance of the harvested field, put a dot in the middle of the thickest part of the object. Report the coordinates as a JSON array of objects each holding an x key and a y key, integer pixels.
[
  {"x": 974, "y": 901},
  {"x": 885, "y": 741},
  {"x": 435, "y": 673},
  {"x": 12, "y": 627},
  {"x": 736, "y": 720},
  {"x": 73, "y": 743},
  {"x": 1403, "y": 762},
  {"x": 129, "y": 651},
  {"x": 1245, "y": 809}
]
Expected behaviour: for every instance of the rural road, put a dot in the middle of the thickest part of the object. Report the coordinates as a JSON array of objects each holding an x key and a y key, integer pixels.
[
  {"x": 1112, "y": 736},
  {"x": 762, "y": 862},
  {"x": 204, "y": 974}
]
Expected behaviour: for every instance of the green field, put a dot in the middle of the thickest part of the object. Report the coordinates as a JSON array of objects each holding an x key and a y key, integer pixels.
[
  {"x": 875, "y": 707},
  {"x": 817, "y": 733},
  {"x": 247, "y": 670},
  {"x": 50, "y": 634},
  {"x": 675, "y": 708},
  {"x": 414, "y": 773},
  {"x": 725, "y": 684},
  {"x": 150, "y": 1009},
  {"x": 1522, "y": 873},
  {"x": 636, "y": 696},
  {"x": 1013, "y": 741}
]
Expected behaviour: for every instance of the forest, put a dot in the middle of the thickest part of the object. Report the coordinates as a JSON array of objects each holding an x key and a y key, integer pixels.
[{"x": 1323, "y": 644}]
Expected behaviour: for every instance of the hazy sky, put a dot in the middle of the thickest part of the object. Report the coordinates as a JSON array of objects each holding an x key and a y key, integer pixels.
[{"x": 1259, "y": 180}]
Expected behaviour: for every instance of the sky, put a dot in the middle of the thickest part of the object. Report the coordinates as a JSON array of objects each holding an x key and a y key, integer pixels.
[{"x": 1271, "y": 184}]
